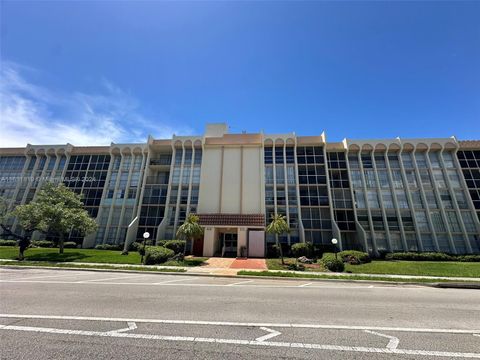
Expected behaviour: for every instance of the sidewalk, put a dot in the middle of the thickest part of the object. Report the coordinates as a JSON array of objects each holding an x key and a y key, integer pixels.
[{"x": 222, "y": 271}]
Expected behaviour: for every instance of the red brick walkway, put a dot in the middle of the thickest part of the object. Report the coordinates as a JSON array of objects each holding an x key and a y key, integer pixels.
[{"x": 253, "y": 264}]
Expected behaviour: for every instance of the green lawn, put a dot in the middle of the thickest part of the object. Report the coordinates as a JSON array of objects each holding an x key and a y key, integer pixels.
[
  {"x": 87, "y": 256},
  {"x": 426, "y": 268}
]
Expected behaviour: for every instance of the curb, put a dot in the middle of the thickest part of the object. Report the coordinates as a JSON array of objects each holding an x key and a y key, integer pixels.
[{"x": 445, "y": 285}]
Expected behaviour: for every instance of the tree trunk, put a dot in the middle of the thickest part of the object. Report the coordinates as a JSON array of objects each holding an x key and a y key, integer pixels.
[
  {"x": 60, "y": 244},
  {"x": 20, "y": 253},
  {"x": 280, "y": 249}
]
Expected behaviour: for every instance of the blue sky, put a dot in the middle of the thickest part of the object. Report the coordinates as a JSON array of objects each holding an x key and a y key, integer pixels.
[{"x": 84, "y": 72}]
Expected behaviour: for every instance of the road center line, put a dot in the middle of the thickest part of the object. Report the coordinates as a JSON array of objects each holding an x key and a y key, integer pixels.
[
  {"x": 243, "y": 342},
  {"x": 306, "y": 284},
  {"x": 249, "y": 324}
]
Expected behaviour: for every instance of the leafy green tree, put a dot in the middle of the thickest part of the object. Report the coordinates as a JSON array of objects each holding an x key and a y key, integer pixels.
[
  {"x": 57, "y": 210},
  {"x": 190, "y": 229},
  {"x": 23, "y": 240},
  {"x": 278, "y": 226}
]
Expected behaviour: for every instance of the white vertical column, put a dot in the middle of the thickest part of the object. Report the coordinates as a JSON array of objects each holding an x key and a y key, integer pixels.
[
  {"x": 395, "y": 202},
  {"x": 439, "y": 200},
  {"x": 425, "y": 202},
  {"x": 454, "y": 202},
  {"x": 409, "y": 199}
]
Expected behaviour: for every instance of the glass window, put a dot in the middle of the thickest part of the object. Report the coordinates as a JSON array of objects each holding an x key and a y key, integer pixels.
[
  {"x": 401, "y": 199},
  {"x": 387, "y": 199},
  {"x": 434, "y": 159},
  {"x": 454, "y": 179},
  {"x": 468, "y": 221},
  {"x": 372, "y": 197},
  {"x": 437, "y": 221},
  {"x": 439, "y": 178},
  {"x": 448, "y": 159},
  {"x": 407, "y": 160},
  {"x": 421, "y": 160},
  {"x": 461, "y": 199},
  {"x": 453, "y": 221},
  {"x": 360, "y": 199},
  {"x": 422, "y": 222}
]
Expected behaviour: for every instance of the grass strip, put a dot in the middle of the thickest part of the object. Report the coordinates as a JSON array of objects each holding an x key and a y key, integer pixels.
[
  {"x": 84, "y": 266},
  {"x": 348, "y": 277}
]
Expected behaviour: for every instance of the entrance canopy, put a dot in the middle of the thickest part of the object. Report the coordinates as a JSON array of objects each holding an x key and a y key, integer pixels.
[
  {"x": 229, "y": 234},
  {"x": 254, "y": 220}
]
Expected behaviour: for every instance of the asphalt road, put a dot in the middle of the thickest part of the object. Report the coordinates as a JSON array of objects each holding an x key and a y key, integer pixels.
[{"x": 59, "y": 314}]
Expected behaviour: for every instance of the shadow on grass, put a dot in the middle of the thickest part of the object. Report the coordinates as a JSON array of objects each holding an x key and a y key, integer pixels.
[{"x": 55, "y": 257}]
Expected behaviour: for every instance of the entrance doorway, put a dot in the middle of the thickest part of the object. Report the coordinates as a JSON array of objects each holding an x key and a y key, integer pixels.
[{"x": 229, "y": 244}]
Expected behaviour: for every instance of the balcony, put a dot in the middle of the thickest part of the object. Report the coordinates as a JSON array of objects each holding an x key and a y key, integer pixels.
[{"x": 163, "y": 160}]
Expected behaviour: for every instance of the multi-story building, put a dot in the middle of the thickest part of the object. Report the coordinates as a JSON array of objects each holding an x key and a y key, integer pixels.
[{"x": 374, "y": 195}]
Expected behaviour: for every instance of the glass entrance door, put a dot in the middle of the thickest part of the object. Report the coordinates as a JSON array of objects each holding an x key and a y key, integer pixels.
[{"x": 229, "y": 244}]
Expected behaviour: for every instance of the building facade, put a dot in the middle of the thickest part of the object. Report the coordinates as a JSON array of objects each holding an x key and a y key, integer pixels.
[{"x": 372, "y": 195}]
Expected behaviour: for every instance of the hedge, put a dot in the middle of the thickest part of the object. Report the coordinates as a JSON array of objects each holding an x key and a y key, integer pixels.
[
  {"x": 157, "y": 255},
  {"x": 42, "y": 243},
  {"x": 109, "y": 247},
  {"x": 8, "y": 243},
  {"x": 178, "y": 246},
  {"x": 302, "y": 249},
  {"x": 431, "y": 256},
  {"x": 354, "y": 257}
]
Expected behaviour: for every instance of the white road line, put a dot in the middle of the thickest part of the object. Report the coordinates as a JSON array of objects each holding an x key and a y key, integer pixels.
[
  {"x": 52, "y": 276},
  {"x": 392, "y": 344},
  {"x": 359, "y": 349},
  {"x": 172, "y": 281},
  {"x": 271, "y": 333},
  {"x": 306, "y": 284},
  {"x": 240, "y": 283},
  {"x": 131, "y": 326},
  {"x": 200, "y": 285},
  {"x": 250, "y": 324},
  {"x": 111, "y": 278}
]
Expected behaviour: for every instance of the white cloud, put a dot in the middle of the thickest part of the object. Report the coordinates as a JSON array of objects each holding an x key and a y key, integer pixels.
[{"x": 30, "y": 113}]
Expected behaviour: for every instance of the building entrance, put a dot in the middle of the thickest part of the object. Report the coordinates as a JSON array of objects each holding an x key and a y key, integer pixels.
[{"x": 229, "y": 244}]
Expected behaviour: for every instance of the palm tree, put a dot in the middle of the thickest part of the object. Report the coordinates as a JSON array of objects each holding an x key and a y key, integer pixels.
[
  {"x": 190, "y": 229},
  {"x": 278, "y": 226}
]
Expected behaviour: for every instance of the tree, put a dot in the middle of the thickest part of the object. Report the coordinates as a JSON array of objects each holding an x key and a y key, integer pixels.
[
  {"x": 278, "y": 226},
  {"x": 57, "y": 210},
  {"x": 23, "y": 240},
  {"x": 190, "y": 229}
]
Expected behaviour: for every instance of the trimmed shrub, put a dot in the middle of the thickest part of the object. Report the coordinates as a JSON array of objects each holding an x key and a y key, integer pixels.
[
  {"x": 335, "y": 265},
  {"x": 302, "y": 249},
  {"x": 178, "y": 246},
  {"x": 108, "y": 247},
  {"x": 42, "y": 244},
  {"x": 70, "y": 245},
  {"x": 157, "y": 255},
  {"x": 331, "y": 263},
  {"x": 8, "y": 243},
  {"x": 354, "y": 257}
]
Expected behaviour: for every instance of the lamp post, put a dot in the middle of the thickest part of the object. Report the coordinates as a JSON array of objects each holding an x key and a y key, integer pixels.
[
  {"x": 146, "y": 235},
  {"x": 335, "y": 242}
]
